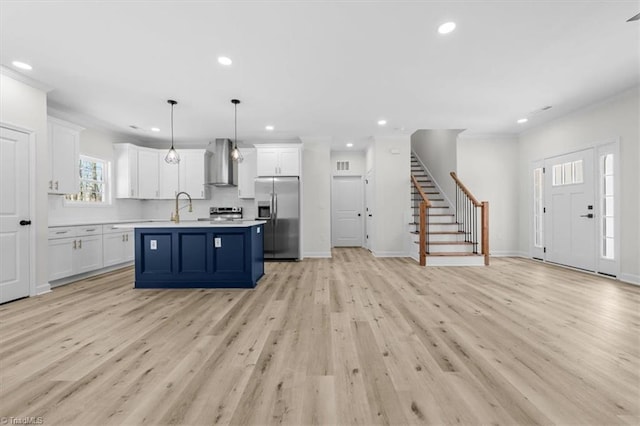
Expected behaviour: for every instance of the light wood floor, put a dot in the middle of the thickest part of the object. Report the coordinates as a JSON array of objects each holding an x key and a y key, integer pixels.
[{"x": 348, "y": 340}]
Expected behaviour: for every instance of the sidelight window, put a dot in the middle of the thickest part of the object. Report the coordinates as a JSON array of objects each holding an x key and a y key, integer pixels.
[
  {"x": 538, "y": 182},
  {"x": 607, "y": 236}
]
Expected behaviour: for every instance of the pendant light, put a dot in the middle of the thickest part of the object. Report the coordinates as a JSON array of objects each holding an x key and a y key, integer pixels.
[
  {"x": 235, "y": 152},
  {"x": 172, "y": 156}
]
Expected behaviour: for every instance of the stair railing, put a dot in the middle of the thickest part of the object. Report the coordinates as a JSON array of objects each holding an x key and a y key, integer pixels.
[
  {"x": 425, "y": 204},
  {"x": 467, "y": 218}
]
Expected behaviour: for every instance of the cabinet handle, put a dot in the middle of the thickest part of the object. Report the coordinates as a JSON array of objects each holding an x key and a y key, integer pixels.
[
  {"x": 61, "y": 232},
  {"x": 74, "y": 244},
  {"x": 132, "y": 192},
  {"x": 56, "y": 185},
  {"x": 79, "y": 244},
  {"x": 127, "y": 239},
  {"x": 50, "y": 184},
  {"x": 202, "y": 194},
  {"x": 91, "y": 230},
  {"x": 122, "y": 237}
]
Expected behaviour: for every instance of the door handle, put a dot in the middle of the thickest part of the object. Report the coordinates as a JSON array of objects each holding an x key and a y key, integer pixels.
[
  {"x": 590, "y": 215},
  {"x": 25, "y": 222},
  {"x": 370, "y": 215}
]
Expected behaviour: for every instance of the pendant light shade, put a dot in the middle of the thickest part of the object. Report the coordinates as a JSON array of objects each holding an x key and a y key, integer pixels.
[
  {"x": 236, "y": 155},
  {"x": 172, "y": 156}
]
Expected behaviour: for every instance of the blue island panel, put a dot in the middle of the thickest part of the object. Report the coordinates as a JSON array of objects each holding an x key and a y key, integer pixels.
[
  {"x": 192, "y": 252},
  {"x": 199, "y": 257}
]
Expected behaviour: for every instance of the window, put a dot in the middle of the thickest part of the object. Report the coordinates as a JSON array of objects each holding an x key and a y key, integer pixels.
[
  {"x": 93, "y": 182},
  {"x": 538, "y": 182},
  {"x": 567, "y": 173},
  {"x": 606, "y": 207}
]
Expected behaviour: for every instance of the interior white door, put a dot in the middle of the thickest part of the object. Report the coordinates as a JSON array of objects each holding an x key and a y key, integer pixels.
[
  {"x": 14, "y": 210},
  {"x": 570, "y": 223},
  {"x": 346, "y": 211},
  {"x": 369, "y": 204}
]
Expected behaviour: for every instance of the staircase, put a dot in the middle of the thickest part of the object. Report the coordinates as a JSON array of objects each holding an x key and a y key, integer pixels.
[{"x": 446, "y": 244}]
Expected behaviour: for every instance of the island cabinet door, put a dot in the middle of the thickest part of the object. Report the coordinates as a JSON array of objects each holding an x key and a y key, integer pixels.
[{"x": 231, "y": 254}]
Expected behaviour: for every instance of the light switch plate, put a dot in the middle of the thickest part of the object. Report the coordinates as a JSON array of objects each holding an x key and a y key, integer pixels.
[
  {"x": 153, "y": 245},
  {"x": 258, "y": 230},
  {"x": 217, "y": 242}
]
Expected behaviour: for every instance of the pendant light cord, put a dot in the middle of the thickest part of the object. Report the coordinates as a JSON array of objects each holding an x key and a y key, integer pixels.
[
  {"x": 235, "y": 124},
  {"x": 172, "y": 105}
]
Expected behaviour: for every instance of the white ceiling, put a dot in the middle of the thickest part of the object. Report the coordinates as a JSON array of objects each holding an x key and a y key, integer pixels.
[{"x": 313, "y": 68}]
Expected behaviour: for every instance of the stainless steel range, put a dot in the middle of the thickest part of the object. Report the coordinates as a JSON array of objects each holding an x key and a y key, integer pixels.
[{"x": 225, "y": 213}]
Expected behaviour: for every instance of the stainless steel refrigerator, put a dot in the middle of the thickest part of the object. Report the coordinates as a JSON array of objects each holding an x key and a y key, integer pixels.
[{"x": 278, "y": 202}]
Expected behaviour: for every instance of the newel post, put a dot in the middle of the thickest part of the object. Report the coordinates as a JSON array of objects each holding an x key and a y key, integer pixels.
[{"x": 485, "y": 231}]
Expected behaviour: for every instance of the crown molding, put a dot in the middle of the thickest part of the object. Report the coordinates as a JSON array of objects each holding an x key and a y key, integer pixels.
[{"x": 24, "y": 79}]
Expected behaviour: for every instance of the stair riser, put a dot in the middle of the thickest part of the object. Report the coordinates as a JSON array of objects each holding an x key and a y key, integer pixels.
[
  {"x": 450, "y": 238},
  {"x": 438, "y": 210},
  {"x": 453, "y": 248},
  {"x": 442, "y": 227},
  {"x": 434, "y": 204},
  {"x": 439, "y": 219}
]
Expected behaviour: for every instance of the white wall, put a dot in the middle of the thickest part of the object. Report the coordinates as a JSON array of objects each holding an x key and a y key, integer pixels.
[
  {"x": 392, "y": 194},
  {"x": 437, "y": 150},
  {"x": 488, "y": 166},
  {"x": 316, "y": 197},
  {"x": 356, "y": 159},
  {"x": 26, "y": 107},
  {"x": 615, "y": 118},
  {"x": 97, "y": 144}
]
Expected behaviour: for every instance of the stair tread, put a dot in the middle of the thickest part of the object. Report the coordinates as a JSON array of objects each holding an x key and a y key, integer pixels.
[
  {"x": 446, "y": 243},
  {"x": 440, "y": 232},
  {"x": 436, "y": 214},
  {"x": 453, "y": 254}
]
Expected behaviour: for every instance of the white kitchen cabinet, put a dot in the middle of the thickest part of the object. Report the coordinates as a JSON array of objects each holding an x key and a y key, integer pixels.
[
  {"x": 64, "y": 156},
  {"x": 147, "y": 170},
  {"x": 278, "y": 160},
  {"x": 192, "y": 169},
  {"x": 61, "y": 254},
  {"x": 168, "y": 179},
  {"x": 247, "y": 173},
  {"x": 118, "y": 247},
  {"x": 74, "y": 250},
  {"x": 126, "y": 165}
]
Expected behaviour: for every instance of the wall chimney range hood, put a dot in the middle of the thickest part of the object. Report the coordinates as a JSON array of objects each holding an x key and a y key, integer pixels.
[{"x": 223, "y": 171}]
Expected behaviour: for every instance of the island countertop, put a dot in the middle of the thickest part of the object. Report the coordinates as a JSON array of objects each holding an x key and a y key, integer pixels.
[{"x": 193, "y": 224}]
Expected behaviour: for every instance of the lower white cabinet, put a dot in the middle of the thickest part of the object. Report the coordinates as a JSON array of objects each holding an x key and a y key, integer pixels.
[
  {"x": 77, "y": 250},
  {"x": 117, "y": 247}
]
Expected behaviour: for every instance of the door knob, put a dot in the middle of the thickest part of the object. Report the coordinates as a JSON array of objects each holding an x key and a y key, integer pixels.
[
  {"x": 25, "y": 222},
  {"x": 590, "y": 215},
  {"x": 359, "y": 215}
]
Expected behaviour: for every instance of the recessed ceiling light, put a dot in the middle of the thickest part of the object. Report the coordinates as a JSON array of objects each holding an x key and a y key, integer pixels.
[
  {"x": 269, "y": 128},
  {"x": 223, "y": 60},
  {"x": 155, "y": 129},
  {"x": 349, "y": 145},
  {"x": 523, "y": 120},
  {"x": 22, "y": 65},
  {"x": 382, "y": 122},
  {"x": 447, "y": 27}
]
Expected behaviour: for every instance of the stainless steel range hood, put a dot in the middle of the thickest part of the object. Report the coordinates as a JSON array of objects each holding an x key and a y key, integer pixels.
[{"x": 223, "y": 171}]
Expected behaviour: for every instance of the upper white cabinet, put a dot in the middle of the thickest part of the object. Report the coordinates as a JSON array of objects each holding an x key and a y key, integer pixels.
[
  {"x": 126, "y": 159},
  {"x": 192, "y": 168},
  {"x": 247, "y": 173},
  {"x": 168, "y": 179},
  {"x": 64, "y": 156},
  {"x": 148, "y": 173},
  {"x": 278, "y": 160}
]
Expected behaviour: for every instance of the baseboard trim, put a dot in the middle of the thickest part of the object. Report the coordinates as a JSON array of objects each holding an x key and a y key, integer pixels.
[
  {"x": 630, "y": 278},
  {"x": 317, "y": 254},
  {"x": 507, "y": 253},
  {"x": 43, "y": 288}
]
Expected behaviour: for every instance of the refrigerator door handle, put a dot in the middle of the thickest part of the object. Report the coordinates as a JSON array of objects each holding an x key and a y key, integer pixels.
[{"x": 275, "y": 208}]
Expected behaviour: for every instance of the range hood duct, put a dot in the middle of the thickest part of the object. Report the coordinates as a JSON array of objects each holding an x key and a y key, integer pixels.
[{"x": 223, "y": 171}]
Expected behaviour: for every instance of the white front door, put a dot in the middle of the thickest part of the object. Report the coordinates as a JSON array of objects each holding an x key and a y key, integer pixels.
[
  {"x": 14, "y": 208},
  {"x": 369, "y": 202},
  {"x": 570, "y": 218},
  {"x": 346, "y": 211}
]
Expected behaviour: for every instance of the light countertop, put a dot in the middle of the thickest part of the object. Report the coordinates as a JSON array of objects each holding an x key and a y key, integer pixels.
[
  {"x": 192, "y": 224},
  {"x": 96, "y": 222}
]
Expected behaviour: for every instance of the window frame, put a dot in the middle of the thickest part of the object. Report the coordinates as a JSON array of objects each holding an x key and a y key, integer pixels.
[{"x": 106, "y": 182}]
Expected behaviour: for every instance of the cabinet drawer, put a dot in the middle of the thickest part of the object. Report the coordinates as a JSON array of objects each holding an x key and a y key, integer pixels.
[
  {"x": 62, "y": 232},
  {"x": 111, "y": 228},
  {"x": 82, "y": 231}
]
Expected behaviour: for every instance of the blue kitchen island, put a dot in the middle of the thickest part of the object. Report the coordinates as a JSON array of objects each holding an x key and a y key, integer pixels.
[{"x": 198, "y": 254}]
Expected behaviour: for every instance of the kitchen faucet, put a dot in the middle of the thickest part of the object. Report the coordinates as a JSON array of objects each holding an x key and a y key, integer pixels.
[{"x": 175, "y": 216}]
